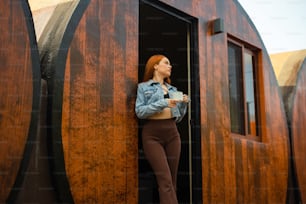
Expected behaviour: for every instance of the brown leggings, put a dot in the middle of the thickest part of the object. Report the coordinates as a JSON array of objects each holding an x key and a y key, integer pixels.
[{"x": 162, "y": 148}]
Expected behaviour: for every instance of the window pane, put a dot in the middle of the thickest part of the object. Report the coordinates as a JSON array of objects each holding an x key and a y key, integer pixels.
[
  {"x": 249, "y": 84},
  {"x": 236, "y": 88}
]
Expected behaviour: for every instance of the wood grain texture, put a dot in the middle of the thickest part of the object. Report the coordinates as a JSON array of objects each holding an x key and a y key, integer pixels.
[
  {"x": 236, "y": 170},
  {"x": 98, "y": 130},
  {"x": 94, "y": 128},
  {"x": 37, "y": 186},
  {"x": 297, "y": 118},
  {"x": 92, "y": 84},
  {"x": 20, "y": 82},
  {"x": 291, "y": 79}
]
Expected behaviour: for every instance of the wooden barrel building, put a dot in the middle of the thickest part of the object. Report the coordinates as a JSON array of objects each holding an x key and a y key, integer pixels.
[
  {"x": 94, "y": 142},
  {"x": 297, "y": 123},
  {"x": 93, "y": 56},
  {"x": 291, "y": 79},
  {"x": 20, "y": 93}
]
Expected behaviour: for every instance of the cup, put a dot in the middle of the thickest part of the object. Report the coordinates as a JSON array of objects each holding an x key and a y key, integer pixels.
[{"x": 178, "y": 95}]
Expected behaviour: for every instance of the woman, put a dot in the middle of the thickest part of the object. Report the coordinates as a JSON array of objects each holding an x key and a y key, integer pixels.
[{"x": 160, "y": 137}]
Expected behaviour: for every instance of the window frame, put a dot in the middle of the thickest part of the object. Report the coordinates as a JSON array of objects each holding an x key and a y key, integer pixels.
[{"x": 258, "y": 89}]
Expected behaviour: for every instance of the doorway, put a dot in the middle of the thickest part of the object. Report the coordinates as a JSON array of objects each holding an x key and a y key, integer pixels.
[{"x": 168, "y": 31}]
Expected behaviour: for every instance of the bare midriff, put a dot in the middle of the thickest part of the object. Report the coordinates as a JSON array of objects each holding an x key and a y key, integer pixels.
[{"x": 165, "y": 114}]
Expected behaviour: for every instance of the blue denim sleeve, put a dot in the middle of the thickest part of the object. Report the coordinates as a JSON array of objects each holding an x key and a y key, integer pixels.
[
  {"x": 144, "y": 110},
  {"x": 182, "y": 107}
]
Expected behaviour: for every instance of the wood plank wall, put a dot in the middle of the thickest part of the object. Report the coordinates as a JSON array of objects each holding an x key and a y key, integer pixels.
[
  {"x": 91, "y": 68},
  {"x": 236, "y": 170},
  {"x": 98, "y": 121},
  {"x": 92, "y": 122},
  {"x": 290, "y": 70},
  {"x": 295, "y": 100},
  {"x": 19, "y": 91},
  {"x": 297, "y": 125}
]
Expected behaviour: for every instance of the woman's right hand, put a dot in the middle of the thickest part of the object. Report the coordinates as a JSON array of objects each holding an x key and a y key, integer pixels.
[{"x": 172, "y": 103}]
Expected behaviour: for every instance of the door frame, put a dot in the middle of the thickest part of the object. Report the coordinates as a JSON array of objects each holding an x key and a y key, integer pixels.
[{"x": 194, "y": 84}]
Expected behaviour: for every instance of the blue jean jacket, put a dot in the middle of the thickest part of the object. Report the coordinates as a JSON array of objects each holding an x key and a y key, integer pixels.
[{"x": 150, "y": 100}]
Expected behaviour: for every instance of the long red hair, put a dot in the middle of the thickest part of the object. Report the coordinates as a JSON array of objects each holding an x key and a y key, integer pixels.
[{"x": 149, "y": 69}]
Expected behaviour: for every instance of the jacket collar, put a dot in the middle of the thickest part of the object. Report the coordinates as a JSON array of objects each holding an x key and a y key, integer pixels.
[{"x": 152, "y": 82}]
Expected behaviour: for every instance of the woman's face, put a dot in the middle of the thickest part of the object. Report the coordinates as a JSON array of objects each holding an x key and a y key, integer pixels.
[{"x": 163, "y": 68}]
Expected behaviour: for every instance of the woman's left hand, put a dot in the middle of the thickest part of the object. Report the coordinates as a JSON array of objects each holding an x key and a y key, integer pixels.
[{"x": 186, "y": 98}]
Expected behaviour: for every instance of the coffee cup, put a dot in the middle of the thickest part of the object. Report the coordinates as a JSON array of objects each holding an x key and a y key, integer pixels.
[{"x": 178, "y": 95}]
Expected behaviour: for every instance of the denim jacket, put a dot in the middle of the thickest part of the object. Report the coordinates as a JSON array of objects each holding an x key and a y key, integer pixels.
[{"x": 150, "y": 100}]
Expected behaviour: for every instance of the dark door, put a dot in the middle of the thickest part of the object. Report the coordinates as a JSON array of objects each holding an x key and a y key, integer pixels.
[{"x": 165, "y": 30}]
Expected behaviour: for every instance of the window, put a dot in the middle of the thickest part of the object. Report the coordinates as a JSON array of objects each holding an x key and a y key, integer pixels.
[{"x": 243, "y": 79}]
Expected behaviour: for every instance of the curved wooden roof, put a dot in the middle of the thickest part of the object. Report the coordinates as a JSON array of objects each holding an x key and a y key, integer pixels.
[
  {"x": 286, "y": 66},
  {"x": 43, "y": 10}
]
